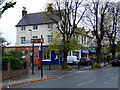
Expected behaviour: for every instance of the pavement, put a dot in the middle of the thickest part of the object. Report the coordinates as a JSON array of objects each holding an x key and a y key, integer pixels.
[{"x": 32, "y": 78}]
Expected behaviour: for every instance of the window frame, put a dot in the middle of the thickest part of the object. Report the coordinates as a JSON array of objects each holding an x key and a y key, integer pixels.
[
  {"x": 35, "y": 27},
  {"x": 23, "y": 40},
  {"x": 23, "y": 28},
  {"x": 35, "y": 37},
  {"x": 50, "y": 26},
  {"x": 49, "y": 38}
]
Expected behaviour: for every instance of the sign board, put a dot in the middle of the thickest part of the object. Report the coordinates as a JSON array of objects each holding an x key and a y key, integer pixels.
[{"x": 40, "y": 40}]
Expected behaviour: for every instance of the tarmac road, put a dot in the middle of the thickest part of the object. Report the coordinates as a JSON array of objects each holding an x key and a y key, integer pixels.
[{"x": 101, "y": 78}]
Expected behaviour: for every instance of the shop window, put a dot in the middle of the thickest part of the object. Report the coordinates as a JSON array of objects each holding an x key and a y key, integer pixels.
[
  {"x": 56, "y": 55},
  {"x": 46, "y": 54}
]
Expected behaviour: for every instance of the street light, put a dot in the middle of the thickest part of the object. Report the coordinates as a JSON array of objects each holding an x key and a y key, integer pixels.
[{"x": 32, "y": 54}]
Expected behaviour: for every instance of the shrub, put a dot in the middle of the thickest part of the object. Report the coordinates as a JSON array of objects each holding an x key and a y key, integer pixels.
[
  {"x": 15, "y": 63},
  {"x": 16, "y": 53},
  {"x": 5, "y": 61},
  {"x": 68, "y": 67},
  {"x": 96, "y": 65}
]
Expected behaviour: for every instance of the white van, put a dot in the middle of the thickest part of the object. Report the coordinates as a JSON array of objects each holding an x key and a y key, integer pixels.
[{"x": 72, "y": 60}]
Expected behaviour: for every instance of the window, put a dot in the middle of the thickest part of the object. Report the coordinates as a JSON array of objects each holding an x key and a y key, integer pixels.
[
  {"x": 35, "y": 27},
  {"x": 82, "y": 40},
  {"x": 73, "y": 36},
  {"x": 56, "y": 55},
  {"x": 23, "y": 28},
  {"x": 22, "y": 40},
  {"x": 77, "y": 38},
  {"x": 50, "y": 38},
  {"x": 46, "y": 54},
  {"x": 50, "y": 26},
  {"x": 34, "y": 37}
]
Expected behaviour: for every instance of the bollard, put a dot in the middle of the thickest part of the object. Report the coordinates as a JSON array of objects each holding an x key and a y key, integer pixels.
[
  {"x": 78, "y": 66},
  {"x": 49, "y": 67},
  {"x": 92, "y": 65}
]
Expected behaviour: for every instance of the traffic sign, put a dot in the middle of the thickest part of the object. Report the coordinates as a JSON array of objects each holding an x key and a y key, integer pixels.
[{"x": 40, "y": 40}]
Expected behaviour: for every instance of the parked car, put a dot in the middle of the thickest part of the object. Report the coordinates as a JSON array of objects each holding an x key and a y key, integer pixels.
[
  {"x": 116, "y": 62},
  {"x": 85, "y": 61},
  {"x": 72, "y": 60}
]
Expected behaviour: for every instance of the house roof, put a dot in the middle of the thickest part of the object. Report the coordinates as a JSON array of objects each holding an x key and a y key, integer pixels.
[
  {"x": 83, "y": 32},
  {"x": 36, "y": 19}
]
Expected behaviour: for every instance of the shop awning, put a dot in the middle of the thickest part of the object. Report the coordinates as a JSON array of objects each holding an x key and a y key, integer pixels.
[
  {"x": 85, "y": 51},
  {"x": 92, "y": 51}
]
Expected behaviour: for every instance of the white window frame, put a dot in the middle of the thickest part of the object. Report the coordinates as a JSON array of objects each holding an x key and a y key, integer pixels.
[
  {"x": 35, "y": 27},
  {"x": 35, "y": 37},
  {"x": 50, "y": 37},
  {"x": 23, "y": 39},
  {"x": 23, "y": 28},
  {"x": 50, "y": 26}
]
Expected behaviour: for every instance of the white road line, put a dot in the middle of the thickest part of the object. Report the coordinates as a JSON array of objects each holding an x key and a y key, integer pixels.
[
  {"x": 108, "y": 75},
  {"x": 80, "y": 71},
  {"x": 86, "y": 82}
]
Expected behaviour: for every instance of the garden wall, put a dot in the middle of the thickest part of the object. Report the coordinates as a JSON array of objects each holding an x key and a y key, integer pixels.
[{"x": 13, "y": 73}]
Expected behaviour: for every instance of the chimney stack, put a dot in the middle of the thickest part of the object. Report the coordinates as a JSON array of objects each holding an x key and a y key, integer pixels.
[
  {"x": 50, "y": 8},
  {"x": 24, "y": 12}
]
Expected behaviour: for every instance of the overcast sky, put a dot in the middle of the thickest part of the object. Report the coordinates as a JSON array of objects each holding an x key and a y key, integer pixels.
[{"x": 12, "y": 16}]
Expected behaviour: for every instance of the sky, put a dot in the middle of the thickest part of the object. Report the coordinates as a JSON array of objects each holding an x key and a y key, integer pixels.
[{"x": 13, "y": 15}]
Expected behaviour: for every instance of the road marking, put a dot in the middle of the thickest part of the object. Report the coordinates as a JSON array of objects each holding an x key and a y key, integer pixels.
[
  {"x": 108, "y": 75},
  {"x": 80, "y": 71},
  {"x": 86, "y": 82}
]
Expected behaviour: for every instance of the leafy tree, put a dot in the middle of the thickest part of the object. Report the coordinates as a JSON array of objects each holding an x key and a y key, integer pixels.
[
  {"x": 95, "y": 17},
  {"x": 5, "y": 6},
  {"x": 67, "y": 15}
]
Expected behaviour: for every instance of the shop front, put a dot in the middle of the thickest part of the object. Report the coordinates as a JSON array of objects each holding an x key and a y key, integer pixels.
[{"x": 50, "y": 57}]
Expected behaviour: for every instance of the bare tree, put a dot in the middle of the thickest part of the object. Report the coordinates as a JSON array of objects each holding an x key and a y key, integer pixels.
[
  {"x": 68, "y": 17},
  {"x": 97, "y": 10},
  {"x": 112, "y": 26}
]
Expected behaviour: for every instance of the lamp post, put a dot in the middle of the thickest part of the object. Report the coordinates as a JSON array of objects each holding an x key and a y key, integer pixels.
[
  {"x": 41, "y": 59},
  {"x": 32, "y": 54}
]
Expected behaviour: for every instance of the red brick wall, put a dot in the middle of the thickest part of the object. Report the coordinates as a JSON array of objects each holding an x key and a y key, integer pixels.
[
  {"x": 13, "y": 73},
  {"x": 27, "y": 56}
]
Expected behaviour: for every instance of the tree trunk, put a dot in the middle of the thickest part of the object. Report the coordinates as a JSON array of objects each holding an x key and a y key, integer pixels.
[
  {"x": 113, "y": 51},
  {"x": 64, "y": 63},
  {"x": 98, "y": 53}
]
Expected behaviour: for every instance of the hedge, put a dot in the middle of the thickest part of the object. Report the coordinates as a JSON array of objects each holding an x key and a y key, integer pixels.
[{"x": 15, "y": 63}]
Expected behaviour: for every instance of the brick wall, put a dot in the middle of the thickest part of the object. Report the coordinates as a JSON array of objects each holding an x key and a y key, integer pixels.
[
  {"x": 27, "y": 56},
  {"x": 13, "y": 73}
]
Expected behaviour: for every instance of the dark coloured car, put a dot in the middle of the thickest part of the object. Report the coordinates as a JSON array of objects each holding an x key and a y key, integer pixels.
[
  {"x": 85, "y": 61},
  {"x": 116, "y": 62}
]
